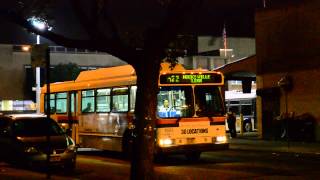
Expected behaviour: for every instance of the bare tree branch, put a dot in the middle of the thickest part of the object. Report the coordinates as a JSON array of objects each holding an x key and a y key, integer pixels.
[
  {"x": 93, "y": 20},
  {"x": 110, "y": 46}
]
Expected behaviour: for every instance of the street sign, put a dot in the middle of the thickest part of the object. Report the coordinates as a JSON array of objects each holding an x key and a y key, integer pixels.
[{"x": 39, "y": 55}]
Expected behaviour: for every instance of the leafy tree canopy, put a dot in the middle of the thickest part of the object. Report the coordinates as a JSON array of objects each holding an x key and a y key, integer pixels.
[{"x": 65, "y": 72}]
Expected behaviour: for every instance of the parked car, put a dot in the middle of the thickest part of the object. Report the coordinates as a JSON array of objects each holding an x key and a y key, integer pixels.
[{"x": 28, "y": 138}]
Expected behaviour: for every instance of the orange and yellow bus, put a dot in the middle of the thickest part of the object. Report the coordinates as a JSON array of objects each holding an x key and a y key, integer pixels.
[{"x": 99, "y": 108}]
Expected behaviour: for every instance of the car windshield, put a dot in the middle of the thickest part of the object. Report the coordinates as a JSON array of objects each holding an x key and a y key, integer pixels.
[
  {"x": 208, "y": 101},
  {"x": 36, "y": 127}
]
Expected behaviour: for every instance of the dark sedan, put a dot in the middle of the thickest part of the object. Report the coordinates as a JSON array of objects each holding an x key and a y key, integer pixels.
[{"x": 35, "y": 140}]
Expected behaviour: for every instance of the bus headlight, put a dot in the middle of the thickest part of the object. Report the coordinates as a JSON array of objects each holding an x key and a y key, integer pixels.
[
  {"x": 165, "y": 142},
  {"x": 221, "y": 139}
]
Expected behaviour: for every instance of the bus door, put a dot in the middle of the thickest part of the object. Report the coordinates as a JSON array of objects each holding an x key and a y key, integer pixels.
[{"x": 72, "y": 115}]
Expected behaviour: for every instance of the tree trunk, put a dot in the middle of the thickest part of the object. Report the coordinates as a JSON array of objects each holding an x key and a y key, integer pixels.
[{"x": 143, "y": 146}]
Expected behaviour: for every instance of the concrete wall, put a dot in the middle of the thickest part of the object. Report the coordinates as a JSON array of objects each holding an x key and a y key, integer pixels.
[
  {"x": 12, "y": 73},
  {"x": 288, "y": 43},
  {"x": 86, "y": 59},
  {"x": 12, "y": 67}
]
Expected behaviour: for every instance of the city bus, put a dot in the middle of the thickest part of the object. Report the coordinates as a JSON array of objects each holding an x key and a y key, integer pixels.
[
  {"x": 242, "y": 104},
  {"x": 99, "y": 108}
]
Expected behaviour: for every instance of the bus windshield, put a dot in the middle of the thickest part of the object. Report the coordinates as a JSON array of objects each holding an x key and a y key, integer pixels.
[
  {"x": 208, "y": 101},
  {"x": 175, "y": 101}
]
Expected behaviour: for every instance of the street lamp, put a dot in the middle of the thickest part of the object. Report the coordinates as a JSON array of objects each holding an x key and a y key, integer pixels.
[{"x": 41, "y": 25}]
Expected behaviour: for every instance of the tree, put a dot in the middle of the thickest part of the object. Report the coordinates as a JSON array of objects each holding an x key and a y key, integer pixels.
[
  {"x": 138, "y": 32},
  {"x": 65, "y": 72}
]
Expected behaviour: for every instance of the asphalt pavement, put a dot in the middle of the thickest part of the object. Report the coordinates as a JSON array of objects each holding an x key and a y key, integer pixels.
[
  {"x": 251, "y": 141},
  {"x": 246, "y": 141}
]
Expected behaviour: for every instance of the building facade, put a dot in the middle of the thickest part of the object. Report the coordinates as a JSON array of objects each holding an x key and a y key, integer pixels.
[
  {"x": 16, "y": 71},
  {"x": 288, "y": 69}
]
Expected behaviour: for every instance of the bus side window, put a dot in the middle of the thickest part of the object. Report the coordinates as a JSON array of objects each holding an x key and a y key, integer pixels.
[
  {"x": 61, "y": 103},
  {"x": 52, "y": 103},
  {"x": 73, "y": 103},
  {"x": 87, "y": 101},
  {"x": 133, "y": 91},
  {"x": 120, "y": 99},
  {"x": 103, "y": 100}
]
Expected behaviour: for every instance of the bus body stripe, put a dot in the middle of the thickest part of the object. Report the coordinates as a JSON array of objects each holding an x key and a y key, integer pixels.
[{"x": 65, "y": 119}]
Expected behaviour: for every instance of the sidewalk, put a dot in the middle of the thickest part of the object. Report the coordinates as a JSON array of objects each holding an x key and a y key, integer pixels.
[{"x": 251, "y": 141}]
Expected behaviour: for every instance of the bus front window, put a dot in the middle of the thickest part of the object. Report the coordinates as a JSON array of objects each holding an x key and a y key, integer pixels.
[
  {"x": 208, "y": 101},
  {"x": 175, "y": 101}
]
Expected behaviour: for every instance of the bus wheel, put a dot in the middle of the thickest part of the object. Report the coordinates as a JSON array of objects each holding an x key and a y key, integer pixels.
[
  {"x": 247, "y": 127},
  {"x": 193, "y": 156}
]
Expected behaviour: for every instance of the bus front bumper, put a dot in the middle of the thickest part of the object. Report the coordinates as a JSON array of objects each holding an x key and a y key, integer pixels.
[{"x": 191, "y": 148}]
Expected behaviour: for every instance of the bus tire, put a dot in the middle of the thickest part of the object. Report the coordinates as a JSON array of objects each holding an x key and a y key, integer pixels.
[
  {"x": 193, "y": 156},
  {"x": 127, "y": 144}
]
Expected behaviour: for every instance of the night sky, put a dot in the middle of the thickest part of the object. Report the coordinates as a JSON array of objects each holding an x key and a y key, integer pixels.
[{"x": 208, "y": 20}]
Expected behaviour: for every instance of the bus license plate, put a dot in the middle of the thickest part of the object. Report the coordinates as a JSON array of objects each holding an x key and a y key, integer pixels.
[{"x": 55, "y": 158}]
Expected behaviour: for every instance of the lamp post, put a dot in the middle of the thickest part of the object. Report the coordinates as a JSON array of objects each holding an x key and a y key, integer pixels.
[
  {"x": 41, "y": 55},
  {"x": 41, "y": 25}
]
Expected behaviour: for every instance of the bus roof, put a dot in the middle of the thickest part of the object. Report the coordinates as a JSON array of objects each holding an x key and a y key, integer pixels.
[
  {"x": 106, "y": 73},
  {"x": 110, "y": 76}
]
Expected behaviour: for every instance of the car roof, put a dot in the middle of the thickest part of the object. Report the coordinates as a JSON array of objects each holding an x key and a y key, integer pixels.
[{"x": 23, "y": 116}]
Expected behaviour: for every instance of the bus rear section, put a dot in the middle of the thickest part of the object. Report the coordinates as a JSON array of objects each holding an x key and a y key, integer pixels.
[
  {"x": 243, "y": 105},
  {"x": 191, "y": 116}
]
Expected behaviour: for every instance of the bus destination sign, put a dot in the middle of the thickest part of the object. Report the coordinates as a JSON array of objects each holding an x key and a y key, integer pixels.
[{"x": 189, "y": 78}]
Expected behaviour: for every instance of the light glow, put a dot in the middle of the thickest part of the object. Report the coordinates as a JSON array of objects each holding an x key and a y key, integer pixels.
[
  {"x": 39, "y": 23},
  {"x": 165, "y": 142},
  {"x": 221, "y": 139},
  {"x": 25, "y": 48}
]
